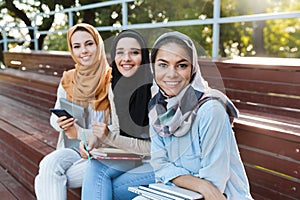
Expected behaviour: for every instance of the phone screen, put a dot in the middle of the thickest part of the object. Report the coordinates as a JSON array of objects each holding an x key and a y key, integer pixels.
[{"x": 61, "y": 112}]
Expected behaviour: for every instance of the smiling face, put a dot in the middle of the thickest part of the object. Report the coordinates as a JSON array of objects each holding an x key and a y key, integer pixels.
[
  {"x": 128, "y": 56},
  {"x": 84, "y": 47},
  {"x": 172, "y": 68}
]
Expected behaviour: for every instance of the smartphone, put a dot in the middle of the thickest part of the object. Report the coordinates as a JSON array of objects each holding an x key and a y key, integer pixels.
[{"x": 61, "y": 112}]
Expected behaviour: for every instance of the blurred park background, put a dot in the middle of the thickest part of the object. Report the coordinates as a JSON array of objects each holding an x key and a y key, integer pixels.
[{"x": 265, "y": 38}]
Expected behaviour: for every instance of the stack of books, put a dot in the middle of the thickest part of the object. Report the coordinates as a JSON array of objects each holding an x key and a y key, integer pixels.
[{"x": 159, "y": 191}]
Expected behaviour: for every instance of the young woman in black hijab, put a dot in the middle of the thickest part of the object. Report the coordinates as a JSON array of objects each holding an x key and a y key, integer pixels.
[
  {"x": 132, "y": 91},
  {"x": 130, "y": 94}
]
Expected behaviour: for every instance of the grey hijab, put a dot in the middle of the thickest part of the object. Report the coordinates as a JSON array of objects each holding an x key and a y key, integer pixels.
[{"x": 175, "y": 115}]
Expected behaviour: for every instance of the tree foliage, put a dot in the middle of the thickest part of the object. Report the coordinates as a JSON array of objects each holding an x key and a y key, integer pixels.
[{"x": 278, "y": 38}]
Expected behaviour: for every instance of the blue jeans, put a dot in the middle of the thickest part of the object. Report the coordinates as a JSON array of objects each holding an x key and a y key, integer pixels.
[{"x": 107, "y": 180}]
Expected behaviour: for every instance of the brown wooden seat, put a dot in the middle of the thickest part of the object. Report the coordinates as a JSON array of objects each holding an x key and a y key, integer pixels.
[
  {"x": 25, "y": 132},
  {"x": 267, "y": 94},
  {"x": 11, "y": 189},
  {"x": 268, "y": 130},
  {"x": 42, "y": 62},
  {"x": 269, "y": 89}
]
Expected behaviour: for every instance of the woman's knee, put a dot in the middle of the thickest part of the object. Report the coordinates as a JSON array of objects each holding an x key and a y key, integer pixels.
[{"x": 58, "y": 161}]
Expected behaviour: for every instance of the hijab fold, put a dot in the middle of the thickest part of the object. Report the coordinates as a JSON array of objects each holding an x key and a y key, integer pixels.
[
  {"x": 175, "y": 115},
  {"x": 86, "y": 85}
]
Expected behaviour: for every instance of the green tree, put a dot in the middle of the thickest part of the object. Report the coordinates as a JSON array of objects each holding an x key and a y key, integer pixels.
[
  {"x": 23, "y": 12},
  {"x": 264, "y": 38},
  {"x": 282, "y": 36}
]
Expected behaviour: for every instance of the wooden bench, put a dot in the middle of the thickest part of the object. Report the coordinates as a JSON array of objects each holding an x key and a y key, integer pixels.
[
  {"x": 267, "y": 93},
  {"x": 25, "y": 132},
  {"x": 267, "y": 131},
  {"x": 11, "y": 189},
  {"x": 43, "y": 62}
]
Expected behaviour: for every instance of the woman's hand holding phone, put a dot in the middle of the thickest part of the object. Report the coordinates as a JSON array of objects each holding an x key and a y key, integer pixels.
[{"x": 68, "y": 125}]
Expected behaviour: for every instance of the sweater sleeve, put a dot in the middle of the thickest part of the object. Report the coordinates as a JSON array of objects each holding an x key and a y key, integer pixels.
[
  {"x": 132, "y": 145},
  {"x": 61, "y": 93},
  {"x": 164, "y": 169},
  {"x": 215, "y": 139},
  {"x": 114, "y": 139}
]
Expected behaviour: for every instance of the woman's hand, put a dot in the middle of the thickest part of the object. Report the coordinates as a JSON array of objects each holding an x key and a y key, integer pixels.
[
  {"x": 204, "y": 187},
  {"x": 210, "y": 192},
  {"x": 82, "y": 150},
  {"x": 68, "y": 125},
  {"x": 100, "y": 130}
]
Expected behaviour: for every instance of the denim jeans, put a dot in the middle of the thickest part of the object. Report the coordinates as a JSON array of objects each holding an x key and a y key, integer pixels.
[{"x": 107, "y": 180}]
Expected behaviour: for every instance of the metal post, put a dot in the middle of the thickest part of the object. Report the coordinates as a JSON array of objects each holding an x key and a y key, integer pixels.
[
  {"x": 35, "y": 32},
  {"x": 124, "y": 15},
  {"x": 4, "y": 38},
  {"x": 216, "y": 29},
  {"x": 70, "y": 17}
]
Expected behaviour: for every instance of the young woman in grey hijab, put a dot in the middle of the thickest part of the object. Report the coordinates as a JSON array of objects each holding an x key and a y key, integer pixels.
[{"x": 192, "y": 142}]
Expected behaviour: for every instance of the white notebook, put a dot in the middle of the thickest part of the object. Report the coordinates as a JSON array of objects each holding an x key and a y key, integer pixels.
[{"x": 159, "y": 191}]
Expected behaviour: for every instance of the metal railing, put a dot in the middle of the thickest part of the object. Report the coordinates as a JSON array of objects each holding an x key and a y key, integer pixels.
[{"x": 216, "y": 21}]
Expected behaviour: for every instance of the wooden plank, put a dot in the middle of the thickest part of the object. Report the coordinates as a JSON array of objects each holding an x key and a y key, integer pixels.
[
  {"x": 26, "y": 140},
  {"x": 260, "y": 192},
  {"x": 272, "y": 161},
  {"x": 29, "y": 138},
  {"x": 11, "y": 106},
  {"x": 25, "y": 149},
  {"x": 21, "y": 136},
  {"x": 260, "y": 81},
  {"x": 47, "y": 62},
  {"x": 255, "y": 62},
  {"x": 29, "y": 146},
  {"x": 266, "y": 100},
  {"x": 278, "y": 114},
  {"x": 24, "y": 173},
  {"x": 278, "y": 88},
  {"x": 286, "y": 74},
  {"x": 284, "y": 166},
  {"x": 38, "y": 101},
  {"x": 265, "y": 75},
  {"x": 11, "y": 189},
  {"x": 74, "y": 194},
  {"x": 28, "y": 78},
  {"x": 274, "y": 88},
  {"x": 5, "y": 194},
  {"x": 30, "y": 124},
  {"x": 38, "y": 93},
  {"x": 264, "y": 139},
  {"x": 25, "y": 98},
  {"x": 270, "y": 90},
  {"x": 274, "y": 187}
]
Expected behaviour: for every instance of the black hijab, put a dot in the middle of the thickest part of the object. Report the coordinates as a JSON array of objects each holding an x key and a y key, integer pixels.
[{"x": 132, "y": 94}]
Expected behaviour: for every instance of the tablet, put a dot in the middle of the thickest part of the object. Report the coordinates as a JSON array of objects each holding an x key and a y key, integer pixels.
[{"x": 77, "y": 111}]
